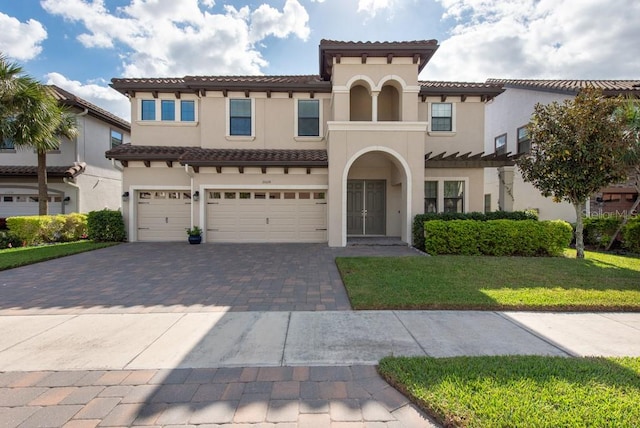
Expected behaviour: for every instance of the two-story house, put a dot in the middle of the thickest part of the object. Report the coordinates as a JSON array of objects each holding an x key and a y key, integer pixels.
[
  {"x": 357, "y": 150},
  {"x": 505, "y": 132},
  {"x": 79, "y": 177}
]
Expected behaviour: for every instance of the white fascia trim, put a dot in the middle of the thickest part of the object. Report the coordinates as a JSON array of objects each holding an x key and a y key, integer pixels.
[{"x": 378, "y": 126}]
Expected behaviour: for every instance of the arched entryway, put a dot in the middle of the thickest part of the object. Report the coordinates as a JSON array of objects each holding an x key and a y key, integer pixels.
[{"x": 376, "y": 195}]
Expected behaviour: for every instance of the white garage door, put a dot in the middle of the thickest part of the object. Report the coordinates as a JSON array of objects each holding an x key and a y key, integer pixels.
[
  {"x": 26, "y": 204},
  {"x": 266, "y": 216},
  {"x": 163, "y": 215}
]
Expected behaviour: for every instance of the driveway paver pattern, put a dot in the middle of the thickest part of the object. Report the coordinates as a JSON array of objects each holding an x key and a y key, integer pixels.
[{"x": 178, "y": 277}]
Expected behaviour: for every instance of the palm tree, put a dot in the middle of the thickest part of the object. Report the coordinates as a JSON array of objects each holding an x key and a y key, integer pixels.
[{"x": 32, "y": 118}]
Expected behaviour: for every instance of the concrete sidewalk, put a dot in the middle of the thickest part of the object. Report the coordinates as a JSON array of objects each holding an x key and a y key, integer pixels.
[
  {"x": 258, "y": 339},
  {"x": 260, "y": 369}
]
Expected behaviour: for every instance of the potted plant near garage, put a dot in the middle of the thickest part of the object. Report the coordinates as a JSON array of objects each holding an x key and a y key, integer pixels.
[{"x": 195, "y": 235}]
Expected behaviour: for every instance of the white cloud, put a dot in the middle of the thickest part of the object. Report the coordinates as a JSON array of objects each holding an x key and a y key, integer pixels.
[
  {"x": 371, "y": 7},
  {"x": 102, "y": 96},
  {"x": 539, "y": 39},
  {"x": 21, "y": 40},
  {"x": 174, "y": 38}
]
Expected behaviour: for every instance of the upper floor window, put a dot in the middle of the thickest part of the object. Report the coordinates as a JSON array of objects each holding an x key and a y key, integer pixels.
[
  {"x": 240, "y": 117},
  {"x": 168, "y": 110},
  {"x": 524, "y": 143},
  {"x": 501, "y": 144},
  {"x": 308, "y": 118},
  {"x": 148, "y": 110},
  {"x": 441, "y": 117},
  {"x": 7, "y": 144},
  {"x": 187, "y": 111},
  {"x": 116, "y": 138}
]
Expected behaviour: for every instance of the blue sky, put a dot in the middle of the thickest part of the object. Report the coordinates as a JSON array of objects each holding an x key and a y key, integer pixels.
[{"x": 81, "y": 44}]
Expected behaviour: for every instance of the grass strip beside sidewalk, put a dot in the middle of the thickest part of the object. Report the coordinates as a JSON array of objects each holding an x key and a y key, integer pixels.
[
  {"x": 520, "y": 391},
  {"x": 15, "y": 257},
  {"x": 601, "y": 282}
]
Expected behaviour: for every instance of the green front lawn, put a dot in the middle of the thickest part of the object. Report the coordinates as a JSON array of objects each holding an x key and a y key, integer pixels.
[
  {"x": 15, "y": 257},
  {"x": 599, "y": 282},
  {"x": 521, "y": 391}
]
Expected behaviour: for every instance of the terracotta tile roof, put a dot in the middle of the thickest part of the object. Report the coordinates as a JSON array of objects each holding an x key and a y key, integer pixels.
[
  {"x": 198, "y": 156},
  {"x": 220, "y": 157},
  {"x": 420, "y": 50},
  {"x": 32, "y": 171},
  {"x": 66, "y": 97},
  {"x": 438, "y": 88},
  {"x": 609, "y": 87},
  {"x": 198, "y": 83}
]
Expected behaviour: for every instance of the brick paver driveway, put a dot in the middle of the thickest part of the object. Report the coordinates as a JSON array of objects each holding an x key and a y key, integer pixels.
[{"x": 154, "y": 277}]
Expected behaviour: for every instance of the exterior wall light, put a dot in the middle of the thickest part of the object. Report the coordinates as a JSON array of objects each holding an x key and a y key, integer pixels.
[
  {"x": 196, "y": 196},
  {"x": 66, "y": 200},
  {"x": 125, "y": 196}
]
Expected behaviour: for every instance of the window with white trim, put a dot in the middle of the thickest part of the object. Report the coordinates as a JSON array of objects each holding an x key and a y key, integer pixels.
[
  {"x": 500, "y": 144},
  {"x": 187, "y": 111},
  {"x": 167, "y": 110},
  {"x": 240, "y": 117},
  {"x": 430, "y": 196},
  {"x": 453, "y": 197},
  {"x": 442, "y": 117},
  {"x": 148, "y": 110},
  {"x": 308, "y": 118},
  {"x": 524, "y": 143}
]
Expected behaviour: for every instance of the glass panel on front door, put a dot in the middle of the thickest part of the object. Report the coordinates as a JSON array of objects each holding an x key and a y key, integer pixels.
[{"x": 366, "y": 207}]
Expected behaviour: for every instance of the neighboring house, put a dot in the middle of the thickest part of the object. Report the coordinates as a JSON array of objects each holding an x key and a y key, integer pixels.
[
  {"x": 80, "y": 178},
  {"x": 505, "y": 119},
  {"x": 357, "y": 150}
]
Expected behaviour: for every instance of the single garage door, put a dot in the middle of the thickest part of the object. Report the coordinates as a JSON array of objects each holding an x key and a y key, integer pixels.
[
  {"x": 26, "y": 204},
  {"x": 266, "y": 216},
  {"x": 163, "y": 215}
]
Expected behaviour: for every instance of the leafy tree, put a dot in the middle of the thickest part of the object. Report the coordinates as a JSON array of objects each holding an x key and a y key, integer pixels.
[
  {"x": 577, "y": 148},
  {"x": 630, "y": 112},
  {"x": 32, "y": 118}
]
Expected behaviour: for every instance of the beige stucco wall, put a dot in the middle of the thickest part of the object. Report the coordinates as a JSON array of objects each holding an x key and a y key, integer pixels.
[
  {"x": 400, "y": 144},
  {"x": 210, "y": 129}
]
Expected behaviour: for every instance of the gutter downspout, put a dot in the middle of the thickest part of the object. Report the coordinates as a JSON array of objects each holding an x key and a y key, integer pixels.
[{"x": 84, "y": 139}]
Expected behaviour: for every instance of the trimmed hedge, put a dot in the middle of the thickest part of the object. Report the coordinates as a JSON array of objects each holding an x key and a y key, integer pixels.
[
  {"x": 418, "y": 221},
  {"x": 33, "y": 230},
  {"x": 597, "y": 231},
  {"x": 497, "y": 237},
  {"x": 106, "y": 226},
  {"x": 631, "y": 235}
]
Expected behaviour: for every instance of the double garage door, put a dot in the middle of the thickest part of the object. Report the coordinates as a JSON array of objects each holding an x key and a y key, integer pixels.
[
  {"x": 236, "y": 215},
  {"x": 266, "y": 216}
]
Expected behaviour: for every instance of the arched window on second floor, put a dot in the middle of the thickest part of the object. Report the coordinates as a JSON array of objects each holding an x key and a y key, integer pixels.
[
  {"x": 389, "y": 103},
  {"x": 360, "y": 103}
]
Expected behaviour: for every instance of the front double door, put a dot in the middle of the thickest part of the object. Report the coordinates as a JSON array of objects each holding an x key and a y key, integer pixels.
[{"x": 366, "y": 207}]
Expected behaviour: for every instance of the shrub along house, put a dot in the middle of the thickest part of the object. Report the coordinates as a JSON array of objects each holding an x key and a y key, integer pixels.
[
  {"x": 357, "y": 150},
  {"x": 79, "y": 177}
]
